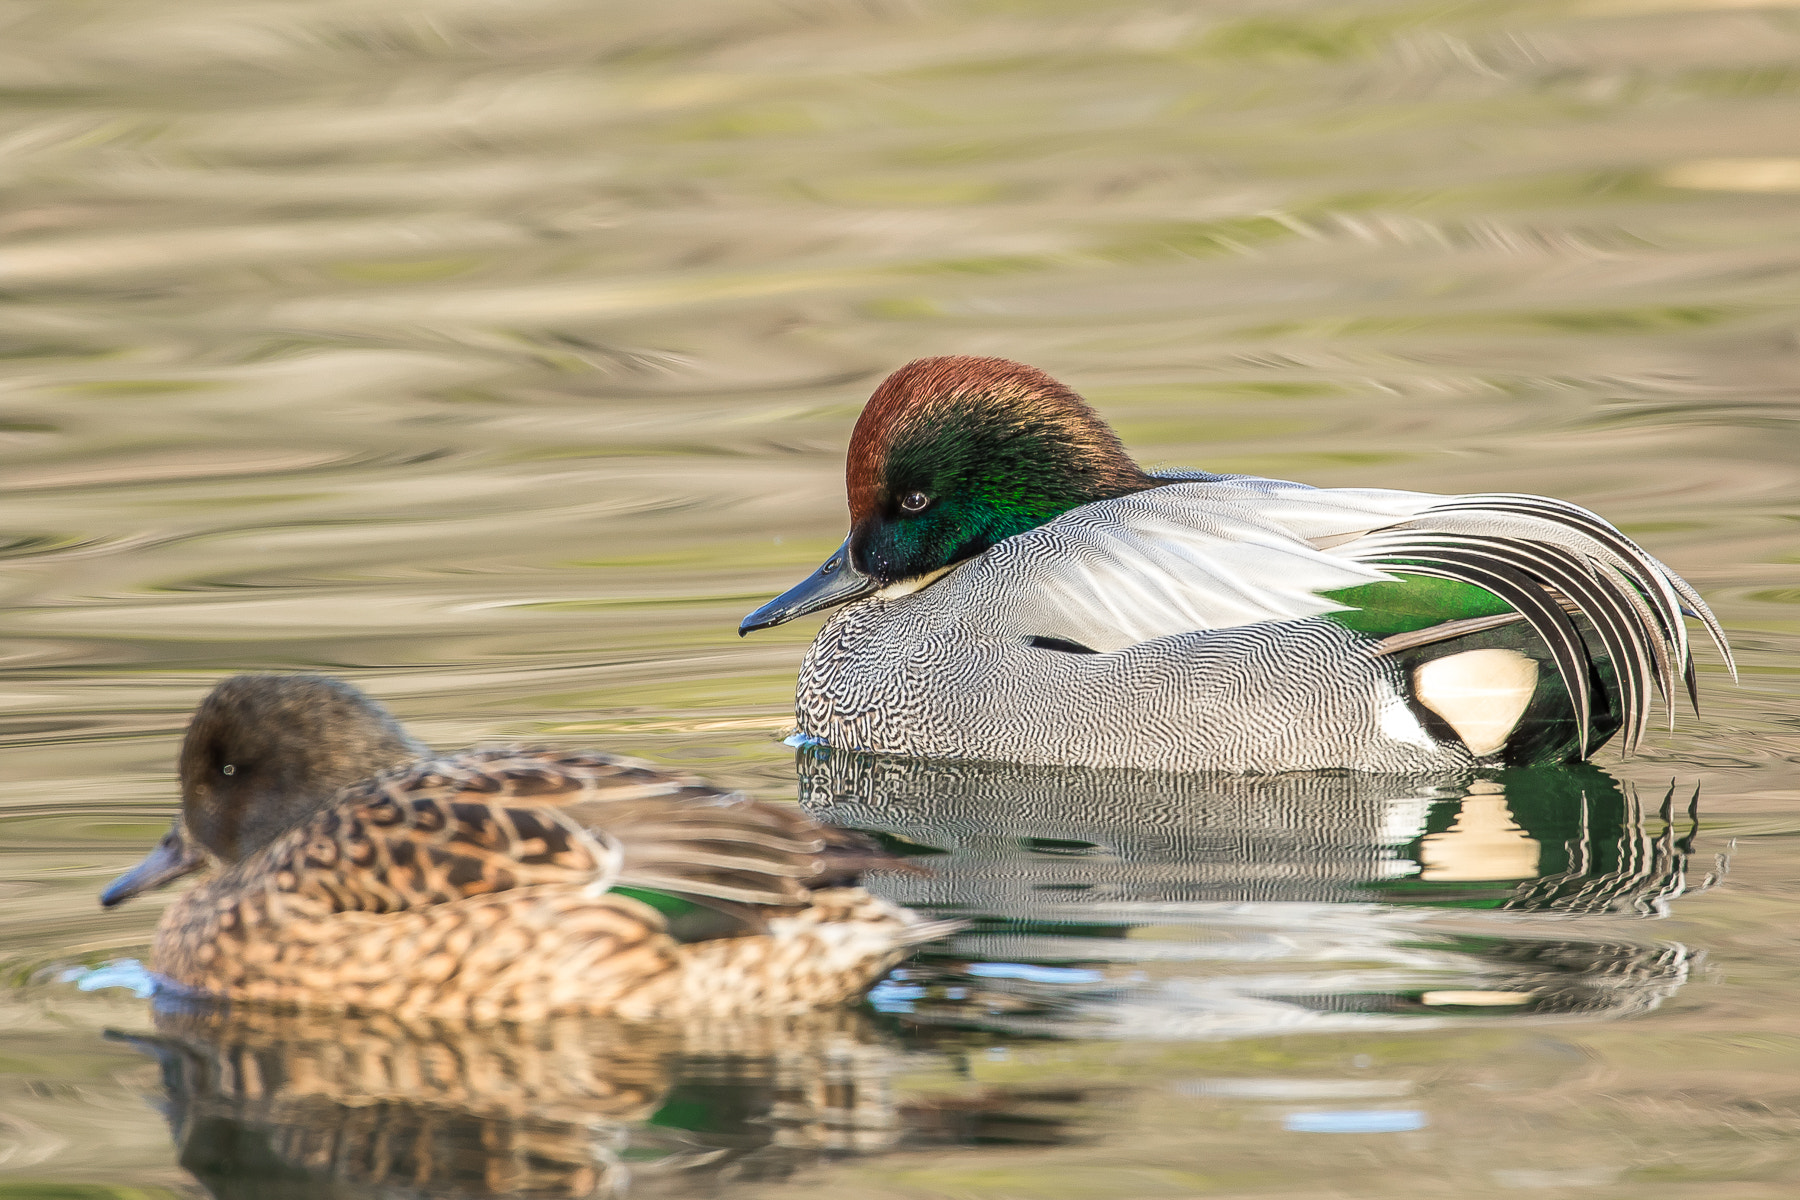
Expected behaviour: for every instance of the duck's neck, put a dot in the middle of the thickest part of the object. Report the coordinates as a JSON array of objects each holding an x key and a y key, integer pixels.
[{"x": 1011, "y": 498}]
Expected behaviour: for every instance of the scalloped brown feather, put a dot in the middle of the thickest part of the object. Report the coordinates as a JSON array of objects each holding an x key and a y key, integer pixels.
[{"x": 493, "y": 820}]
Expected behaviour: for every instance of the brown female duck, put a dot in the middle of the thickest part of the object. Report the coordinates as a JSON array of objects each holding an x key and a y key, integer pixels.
[{"x": 496, "y": 884}]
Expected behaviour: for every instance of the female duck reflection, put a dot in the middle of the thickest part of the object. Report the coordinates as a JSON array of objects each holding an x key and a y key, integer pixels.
[
  {"x": 263, "y": 1102},
  {"x": 267, "y": 1103},
  {"x": 1113, "y": 902}
]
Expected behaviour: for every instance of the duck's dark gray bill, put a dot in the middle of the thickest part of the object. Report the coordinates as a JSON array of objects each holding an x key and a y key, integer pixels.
[
  {"x": 172, "y": 858},
  {"x": 836, "y": 582}
]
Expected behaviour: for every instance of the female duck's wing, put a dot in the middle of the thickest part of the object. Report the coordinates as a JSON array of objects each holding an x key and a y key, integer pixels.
[
  {"x": 722, "y": 848},
  {"x": 1186, "y": 556},
  {"x": 493, "y": 820}
]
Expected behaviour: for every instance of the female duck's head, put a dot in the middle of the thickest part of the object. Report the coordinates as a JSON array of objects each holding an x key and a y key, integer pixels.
[
  {"x": 262, "y": 754},
  {"x": 950, "y": 456}
]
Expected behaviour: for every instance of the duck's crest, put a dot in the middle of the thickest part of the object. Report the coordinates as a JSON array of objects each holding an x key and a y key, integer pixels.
[{"x": 928, "y": 397}]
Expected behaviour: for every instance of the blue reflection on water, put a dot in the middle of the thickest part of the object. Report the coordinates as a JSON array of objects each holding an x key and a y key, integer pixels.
[
  {"x": 895, "y": 996},
  {"x": 119, "y": 973},
  {"x": 1356, "y": 1121},
  {"x": 1034, "y": 973}
]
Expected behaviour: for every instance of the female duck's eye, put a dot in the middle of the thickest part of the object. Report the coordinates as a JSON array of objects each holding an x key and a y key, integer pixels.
[
  {"x": 914, "y": 502},
  {"x": 228, "y": 769}
]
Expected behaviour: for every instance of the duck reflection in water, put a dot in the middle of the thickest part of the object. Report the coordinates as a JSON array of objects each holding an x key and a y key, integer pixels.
[
  {"x": 1163, "y": 905},
  {"x": 1105, "y": 905},
  {"x": 268, "y": 1105}
]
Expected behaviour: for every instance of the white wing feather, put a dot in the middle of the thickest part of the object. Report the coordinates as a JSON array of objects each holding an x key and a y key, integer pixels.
[{"x": 1188, "y": 556}]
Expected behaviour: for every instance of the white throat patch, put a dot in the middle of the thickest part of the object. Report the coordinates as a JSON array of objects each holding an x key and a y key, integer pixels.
[{"x": 906, "y": 587}]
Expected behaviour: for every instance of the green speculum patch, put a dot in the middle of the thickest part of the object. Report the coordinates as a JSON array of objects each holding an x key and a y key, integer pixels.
[
  {"x": 1411, "y": 602},
  {"x": 662, "y": 902}
]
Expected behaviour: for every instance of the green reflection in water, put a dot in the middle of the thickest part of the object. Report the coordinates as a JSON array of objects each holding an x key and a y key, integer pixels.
[{"x": 1128, "y": 903}]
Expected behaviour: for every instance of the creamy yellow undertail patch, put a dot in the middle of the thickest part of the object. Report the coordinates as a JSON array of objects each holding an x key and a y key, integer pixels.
[{"x": 1481, "y": 694}]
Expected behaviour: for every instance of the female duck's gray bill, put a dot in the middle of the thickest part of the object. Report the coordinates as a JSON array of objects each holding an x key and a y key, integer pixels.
[
  {"x": 837, "y": 582},
  {"x": 173, "y": 857}
]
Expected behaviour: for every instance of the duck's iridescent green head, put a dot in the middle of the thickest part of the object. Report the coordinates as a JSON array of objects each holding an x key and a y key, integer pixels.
[{"x": 950, "y": 456}]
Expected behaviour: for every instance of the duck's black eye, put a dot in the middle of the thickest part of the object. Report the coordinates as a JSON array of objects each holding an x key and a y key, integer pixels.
[
  {"x": 228, "y": 769},
  {"x": 914, "y": 502}
]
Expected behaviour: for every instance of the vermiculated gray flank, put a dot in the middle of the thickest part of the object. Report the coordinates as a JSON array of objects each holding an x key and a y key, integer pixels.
[{"x": 929, "y": 675}]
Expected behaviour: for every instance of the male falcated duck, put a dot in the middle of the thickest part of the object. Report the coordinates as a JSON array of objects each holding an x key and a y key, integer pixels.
[
  {"x": 1017, "y": 588},
  {"x": 354, "y": 871}
]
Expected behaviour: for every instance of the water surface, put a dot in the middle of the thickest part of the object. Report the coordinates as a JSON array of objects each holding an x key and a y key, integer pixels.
[{"x": 501, "y": 356}]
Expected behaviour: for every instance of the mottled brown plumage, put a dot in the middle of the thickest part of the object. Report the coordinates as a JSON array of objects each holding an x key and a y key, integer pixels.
[{"x": 480, "y": 885}]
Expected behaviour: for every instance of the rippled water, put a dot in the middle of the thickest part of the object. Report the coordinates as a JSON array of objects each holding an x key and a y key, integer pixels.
[{"x": 500, "y": 356}]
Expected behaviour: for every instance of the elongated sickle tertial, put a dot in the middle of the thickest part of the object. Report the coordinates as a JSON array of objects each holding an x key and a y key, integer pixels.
[{"x": 1552, "y": 560}]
